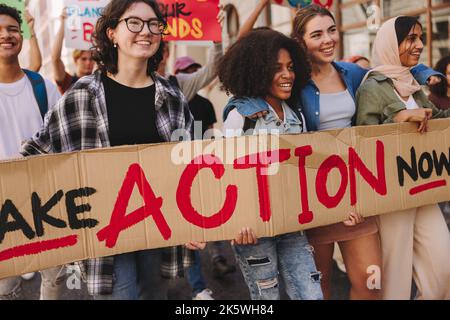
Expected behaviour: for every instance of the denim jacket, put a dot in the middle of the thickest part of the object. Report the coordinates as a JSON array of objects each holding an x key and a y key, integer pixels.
[
  {"x": 352, "y": 75},
  {"x": 270, "y": 123},
  {"x": 247, "y": 106}
]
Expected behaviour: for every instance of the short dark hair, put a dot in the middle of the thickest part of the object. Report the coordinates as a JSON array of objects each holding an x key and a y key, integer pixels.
[
  {"x": 248, "y": 67},
  {"x": 12, "y": 12},
  {"x": 440, "y": 89},
  {"x": 105, "y": 54}
]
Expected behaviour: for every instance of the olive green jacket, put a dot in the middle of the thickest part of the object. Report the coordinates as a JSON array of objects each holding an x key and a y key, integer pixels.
[{"x": 378, "y": 103}]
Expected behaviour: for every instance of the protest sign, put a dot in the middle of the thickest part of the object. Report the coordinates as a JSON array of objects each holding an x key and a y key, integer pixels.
[
  {"x": 82, "y": 16},
  {"x": 190, "y": 20},
  {"x": 61, "y": 208},
  {"x": 20, "y": 5}
]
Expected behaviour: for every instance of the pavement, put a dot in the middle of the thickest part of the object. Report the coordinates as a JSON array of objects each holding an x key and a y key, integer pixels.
[{"x": 230, "y": 287}]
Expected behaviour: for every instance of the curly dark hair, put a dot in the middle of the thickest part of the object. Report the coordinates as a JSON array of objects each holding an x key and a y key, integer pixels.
[
  {"x": 12, "y": 12},
  {"x": 440, "y": 89},
  {"x": 248, "y": 68},
  {"x": 105, "y": 54}
]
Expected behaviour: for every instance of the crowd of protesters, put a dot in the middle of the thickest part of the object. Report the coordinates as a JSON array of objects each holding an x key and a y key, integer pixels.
[{"x": 290, "y": 84}]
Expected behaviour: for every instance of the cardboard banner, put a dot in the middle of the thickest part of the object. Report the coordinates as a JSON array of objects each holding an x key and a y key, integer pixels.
[
  {"x": 191, "y": 20},
  {"x": 80, "y": 24},
  {"x": 61, "y": 208},
  {"x": 20, "y": 5}
]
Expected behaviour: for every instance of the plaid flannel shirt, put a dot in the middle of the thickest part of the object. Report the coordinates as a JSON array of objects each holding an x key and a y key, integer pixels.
[{"x": 79, "y": 121}]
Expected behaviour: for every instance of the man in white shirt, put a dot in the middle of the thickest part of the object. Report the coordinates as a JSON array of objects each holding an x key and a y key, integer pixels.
[{"x": 20, "y": 117}]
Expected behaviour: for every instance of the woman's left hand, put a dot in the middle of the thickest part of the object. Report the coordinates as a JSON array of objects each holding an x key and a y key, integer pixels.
[
  {"x": 433, "y": 80},
  {"x": 194, "y": 245},
  {"x": 353, "y": 219},
  {"x": 220, "y": 18},
  {"x": 30, "y": 20},
  {"x": 421, "y": 116},
  {"x": 221, "y": 15},
  {"x": 245, "y": 236}
]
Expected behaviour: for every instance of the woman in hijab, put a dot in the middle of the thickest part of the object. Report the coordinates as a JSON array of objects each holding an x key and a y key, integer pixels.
[{"x": 415, "y": 242}]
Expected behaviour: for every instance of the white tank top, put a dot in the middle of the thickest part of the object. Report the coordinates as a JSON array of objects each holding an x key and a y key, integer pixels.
[{"x": 336, "y": 110}]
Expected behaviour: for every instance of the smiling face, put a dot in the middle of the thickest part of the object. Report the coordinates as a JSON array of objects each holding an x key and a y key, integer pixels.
[
  {"x": 283, "y": 80},
  {"x": 135, "y": 46},
  {"x": 10, "y": 38},
  {"x": 321, "y": 38},
  {"x": 411, "y": 48}
]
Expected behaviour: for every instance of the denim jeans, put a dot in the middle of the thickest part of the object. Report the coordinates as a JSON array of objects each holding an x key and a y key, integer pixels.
[
  {"x": 137, "y": 276},
  {"x": 215, "y": 249},
  {"x": 288, "y": 255},
  {"x": 194, "y": 275},
  {"x": 52, "y": 284}
]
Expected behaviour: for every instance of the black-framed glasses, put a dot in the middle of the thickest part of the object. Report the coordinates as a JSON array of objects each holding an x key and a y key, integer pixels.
[{"x": 136, "y": 25}]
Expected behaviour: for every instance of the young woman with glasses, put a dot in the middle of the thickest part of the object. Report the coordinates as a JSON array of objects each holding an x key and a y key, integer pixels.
[{"x": 123, "y": 103}]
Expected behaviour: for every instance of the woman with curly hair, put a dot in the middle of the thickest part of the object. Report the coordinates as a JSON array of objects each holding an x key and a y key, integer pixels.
[
  {"x": 96, "y": 112},
  {"x": 267, "y": 68}
]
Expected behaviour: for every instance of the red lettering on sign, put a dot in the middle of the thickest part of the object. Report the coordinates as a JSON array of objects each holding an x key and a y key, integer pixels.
[
  {"x": 152, "y": 207},
  {"x": 355, "y": 163},
  {"x": 306, "y": 215},
  {"x": 191, "y": 20},
  {"x": 323, "y": 196},
  {"x": 38, "y": 247},
  {"x": 184, "y": 193},
  {"x": 88, "y": 29},
  {"x": 262, "y": 161},
  {"x": 427, "y": 186}
]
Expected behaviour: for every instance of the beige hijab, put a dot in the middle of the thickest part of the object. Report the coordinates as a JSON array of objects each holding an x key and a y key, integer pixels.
[{"x": 386, "y": 60}]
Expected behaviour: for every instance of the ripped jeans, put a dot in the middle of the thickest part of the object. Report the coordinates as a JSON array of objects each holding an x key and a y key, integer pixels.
[{"x": 288, "y": 255}]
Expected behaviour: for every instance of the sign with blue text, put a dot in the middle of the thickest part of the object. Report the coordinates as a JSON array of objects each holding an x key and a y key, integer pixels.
[{"x": 82, "y": 16}]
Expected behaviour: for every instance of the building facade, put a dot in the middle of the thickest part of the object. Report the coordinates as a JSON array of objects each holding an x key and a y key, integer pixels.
[{"x": 357, "y": 20}]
